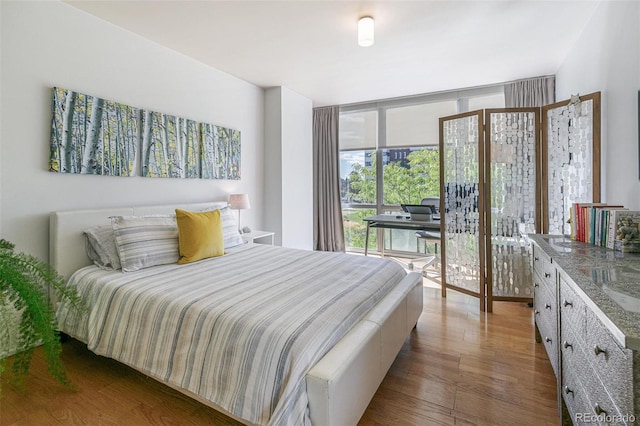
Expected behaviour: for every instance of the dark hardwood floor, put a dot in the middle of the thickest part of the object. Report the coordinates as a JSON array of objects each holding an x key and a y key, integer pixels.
[{"x": 459, "y": 367}]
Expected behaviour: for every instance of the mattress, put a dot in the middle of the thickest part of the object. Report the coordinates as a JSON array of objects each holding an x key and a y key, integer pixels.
[{"x": 240, "y": 330}]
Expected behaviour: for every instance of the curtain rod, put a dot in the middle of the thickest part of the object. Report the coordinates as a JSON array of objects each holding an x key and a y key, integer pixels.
[
  {"x": 418, "y": 96},
  {"x": 434, "y": 94}
]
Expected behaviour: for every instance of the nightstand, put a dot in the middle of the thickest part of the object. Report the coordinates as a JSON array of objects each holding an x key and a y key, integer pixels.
[{"x": 259, "y": 237}]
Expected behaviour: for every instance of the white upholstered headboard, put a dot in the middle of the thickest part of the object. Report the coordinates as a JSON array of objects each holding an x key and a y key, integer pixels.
[{"x": 67, "y": 244}]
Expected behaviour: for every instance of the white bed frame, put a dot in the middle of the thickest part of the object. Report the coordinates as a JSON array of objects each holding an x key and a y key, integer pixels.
[{"x": 341, "y": 385}]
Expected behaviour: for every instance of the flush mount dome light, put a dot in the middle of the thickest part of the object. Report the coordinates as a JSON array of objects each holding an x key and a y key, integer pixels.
[{"x": 365, "y": 31}]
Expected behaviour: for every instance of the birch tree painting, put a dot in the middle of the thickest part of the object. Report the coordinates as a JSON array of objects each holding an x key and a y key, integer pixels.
[
  {"x": 170, "y": 146},
  {"x": 220, "y": 152},
  {"x": 92, "y": 135}
]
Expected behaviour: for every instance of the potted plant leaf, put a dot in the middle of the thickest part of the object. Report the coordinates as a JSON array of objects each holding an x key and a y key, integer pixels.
[{"x": 27, "y": 315}]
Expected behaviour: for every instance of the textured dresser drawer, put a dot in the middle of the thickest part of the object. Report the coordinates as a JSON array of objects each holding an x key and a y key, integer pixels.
[
  {"x": 544, "y": 309},
  {"x": 547, "y": 284},
  {"x": 572, "y": 348},
  {"x": 601, "y": 404},
  {"x": 545, "y": 306},
  {"x": 583, "y": 393},
  {"x": 544, "y": 285},
  {"x": 542, "y": 264},
  {"x": 574, "y": 396},
  {"x": 574, "y": 357},
  {"x": 573, "y": 312},
  {"x": 551, "y": 347},
  {"x": 545, "y": 313},
  {"x": 613, "y": 364}
]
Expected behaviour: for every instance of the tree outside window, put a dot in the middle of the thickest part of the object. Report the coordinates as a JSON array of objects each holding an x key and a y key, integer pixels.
[{"x": 409, "y": 175}]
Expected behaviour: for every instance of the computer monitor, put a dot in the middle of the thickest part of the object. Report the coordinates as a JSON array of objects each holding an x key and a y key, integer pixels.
[
  {"x": 419, "y": 211},
  {"x": 417, "y": 208}
]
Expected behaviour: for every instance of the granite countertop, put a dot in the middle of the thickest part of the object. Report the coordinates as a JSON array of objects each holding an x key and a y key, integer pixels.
[{"x": 611, "y": 280}]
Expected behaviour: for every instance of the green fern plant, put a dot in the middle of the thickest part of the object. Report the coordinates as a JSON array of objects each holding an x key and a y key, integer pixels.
[{"x": 25, "y": 282}]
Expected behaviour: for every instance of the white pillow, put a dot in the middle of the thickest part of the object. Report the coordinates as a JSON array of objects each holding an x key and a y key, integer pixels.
[
  {"x": 144, "y": 241},
  {"x": 230, "y": 232},
  {"x": 101, "y": 247}
]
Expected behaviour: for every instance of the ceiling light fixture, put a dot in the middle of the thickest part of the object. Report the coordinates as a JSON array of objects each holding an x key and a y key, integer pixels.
[{"x": 365, "y": 31}]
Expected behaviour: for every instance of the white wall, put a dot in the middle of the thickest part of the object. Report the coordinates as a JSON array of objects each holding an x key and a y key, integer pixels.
[
  {"x": 297, "y": 173},
  {"x": 606, "y": 58},
  {"x": 289, "y": 167},
  {"x": 273, "y": 162},
  {"x": 47, "y": 44}
]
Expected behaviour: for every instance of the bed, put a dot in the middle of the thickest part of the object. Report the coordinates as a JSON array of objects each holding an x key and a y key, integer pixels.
[{"x": 333, "y": 372}]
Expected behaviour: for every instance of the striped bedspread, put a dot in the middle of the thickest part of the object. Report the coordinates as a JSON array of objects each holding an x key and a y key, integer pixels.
[{"x": 241, "y": 330}]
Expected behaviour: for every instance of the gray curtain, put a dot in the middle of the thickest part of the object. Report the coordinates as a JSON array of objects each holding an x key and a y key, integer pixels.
[
  {"x": 531, "y": 92},
  {"x": 328, "y": 231}
]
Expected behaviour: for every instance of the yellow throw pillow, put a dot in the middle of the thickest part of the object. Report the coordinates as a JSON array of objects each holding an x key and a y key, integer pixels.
[{"x": 199, "y": 235}]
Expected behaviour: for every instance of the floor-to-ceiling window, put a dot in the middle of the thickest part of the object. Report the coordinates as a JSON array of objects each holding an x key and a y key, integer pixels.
[
  {"x": 389, "y": 156},
  {"x": 358, "y": 177}
]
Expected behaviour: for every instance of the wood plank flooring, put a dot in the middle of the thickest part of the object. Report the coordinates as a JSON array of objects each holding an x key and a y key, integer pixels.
[{"x": 459, "y": 367}]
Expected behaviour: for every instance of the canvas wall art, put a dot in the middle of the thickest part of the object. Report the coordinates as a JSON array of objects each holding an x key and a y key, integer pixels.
[
  {"x": 91, "y": 135},
  {"x": 170, "y": 146},
  {"x": 221, "y": 151}
]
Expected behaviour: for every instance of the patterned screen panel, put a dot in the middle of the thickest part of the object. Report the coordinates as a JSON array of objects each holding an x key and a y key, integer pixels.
[
  {"x": 569, "y": 161},
  {"x": 511, "y": 202},
  {"x": 461, "y": 231}
]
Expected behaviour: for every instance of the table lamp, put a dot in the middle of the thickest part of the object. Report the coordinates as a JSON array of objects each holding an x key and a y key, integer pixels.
[{"x": 239, "y": 202}]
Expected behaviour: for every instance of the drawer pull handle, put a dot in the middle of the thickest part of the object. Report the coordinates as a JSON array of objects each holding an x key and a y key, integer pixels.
[
  {"x": 567, "y": 345},
  {"x": 537, "y": 312},
  {"x": 599, "y": 409},
  {"x": 536, "y": 258},
  {"x": 547, "y": 306},
  {"x": 567, "y": 303},
  {"x": 547, "y": 339},
  {"x": 547, "y": 275},
  {"x": 536, "y": 285},
  {"x": 567, "y": 390},
  {"x": 598, "y": 350}
]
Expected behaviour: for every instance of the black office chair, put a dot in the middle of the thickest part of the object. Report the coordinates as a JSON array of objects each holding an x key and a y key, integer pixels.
[{"x": 433, "y": 237}]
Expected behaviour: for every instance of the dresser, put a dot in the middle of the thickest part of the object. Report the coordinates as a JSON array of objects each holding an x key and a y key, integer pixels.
[{"x": 587, "y": 316}]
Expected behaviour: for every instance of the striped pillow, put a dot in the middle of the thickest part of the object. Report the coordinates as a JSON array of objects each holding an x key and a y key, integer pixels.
[
  {"x": 230, "y": 232},
  {"x": 101, "y": 247},
  {"x": 145, "y": 241}
]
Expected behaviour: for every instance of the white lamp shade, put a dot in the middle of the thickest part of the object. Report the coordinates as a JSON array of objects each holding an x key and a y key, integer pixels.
[
  {"x": 239, "y": 201},
  {"x": 365, "y": 31}
]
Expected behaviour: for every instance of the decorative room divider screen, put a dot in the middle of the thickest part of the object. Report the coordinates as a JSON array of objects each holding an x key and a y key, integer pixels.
[
  {"x": 493, "y": 169},
  {"x": 571, "y": 153},
  {"x": 462, "y": 203}
]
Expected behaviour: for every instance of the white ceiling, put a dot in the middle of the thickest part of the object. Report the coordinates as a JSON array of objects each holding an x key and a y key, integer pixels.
[{"x": 311, "y": 47}]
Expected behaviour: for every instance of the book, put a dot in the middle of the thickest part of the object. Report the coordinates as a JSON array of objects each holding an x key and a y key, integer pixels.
[
  {"x": 573, "y": 219},
  {"x": 585, "y": 226},
  {"x": 594, "y": 223},
  {"x": 601, "y": 215},
  {"x": 604, "y": 226},
  {"x": 598, "y": 225},
  {"x": 577, "y": 221}
]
